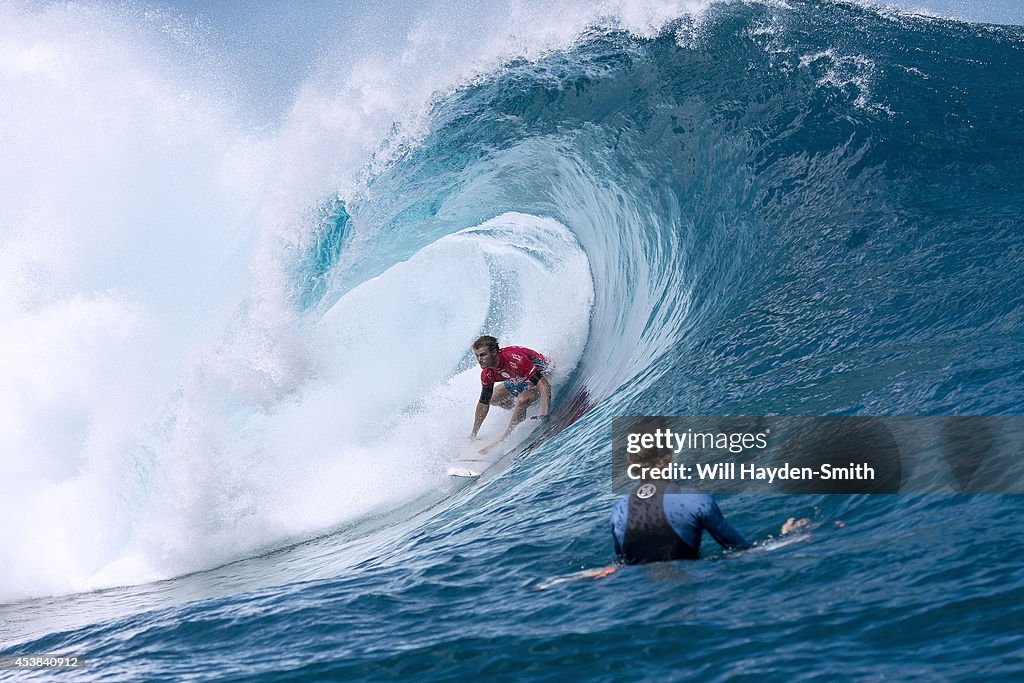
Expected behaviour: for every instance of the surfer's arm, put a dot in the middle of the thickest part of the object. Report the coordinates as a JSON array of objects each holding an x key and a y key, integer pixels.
[
  {"x": 545, "y": 397},
  {"x": 793, "y": 524},
  {"x": 620, "y": 514},
  {"x": 482, "y": 407},
  {"x": 544, "y": 387},
  {"x": 723, "y": 532}
]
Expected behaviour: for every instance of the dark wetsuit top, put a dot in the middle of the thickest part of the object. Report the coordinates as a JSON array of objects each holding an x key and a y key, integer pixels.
[{"x": 668, "y": 524}]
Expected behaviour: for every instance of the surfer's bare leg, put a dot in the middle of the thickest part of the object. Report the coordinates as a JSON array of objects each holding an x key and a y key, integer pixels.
[
  {"x": 501, "y": 397},
  {"x": 522, "y": 402}
]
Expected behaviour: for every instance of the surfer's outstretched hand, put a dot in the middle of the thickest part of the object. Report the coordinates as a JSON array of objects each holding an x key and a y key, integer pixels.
[{"x": 793, "y": 524}]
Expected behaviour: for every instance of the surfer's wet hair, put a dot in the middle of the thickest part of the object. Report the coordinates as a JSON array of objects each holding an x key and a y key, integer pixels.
[{"x": 488, "y": 341}]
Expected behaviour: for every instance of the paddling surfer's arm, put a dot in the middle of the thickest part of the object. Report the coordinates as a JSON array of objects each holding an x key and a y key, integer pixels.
[
  {"x": 721, "y": 530},
  {"x": 793, "y": 524}
]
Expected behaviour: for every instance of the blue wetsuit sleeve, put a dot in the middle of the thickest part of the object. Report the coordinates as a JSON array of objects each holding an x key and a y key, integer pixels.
[
  {"x": 620, "y": 514},
  {"x": 721, "y": 530}
]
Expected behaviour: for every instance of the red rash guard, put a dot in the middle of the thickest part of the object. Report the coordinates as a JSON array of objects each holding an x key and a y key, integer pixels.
[{"x": 516, "y": 364}]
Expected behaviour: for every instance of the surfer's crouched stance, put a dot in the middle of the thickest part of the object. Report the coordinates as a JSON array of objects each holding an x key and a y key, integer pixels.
[
  {"x": 661, "y": 521},
  {"x": 511, "y": 378}
]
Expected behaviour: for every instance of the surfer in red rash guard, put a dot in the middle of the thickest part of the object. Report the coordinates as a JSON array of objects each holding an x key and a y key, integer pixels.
[{"x": 511, "y": 378}]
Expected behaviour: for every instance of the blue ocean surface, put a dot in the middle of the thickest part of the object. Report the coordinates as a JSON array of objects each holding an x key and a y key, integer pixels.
[{"x": 238, "y": 309}]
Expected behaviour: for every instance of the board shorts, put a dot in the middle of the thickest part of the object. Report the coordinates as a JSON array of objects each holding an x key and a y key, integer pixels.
[{"x": 518, "y": 386}]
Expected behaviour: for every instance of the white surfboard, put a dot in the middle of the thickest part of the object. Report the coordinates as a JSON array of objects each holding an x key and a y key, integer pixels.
[{"x": 472, "y": 464}]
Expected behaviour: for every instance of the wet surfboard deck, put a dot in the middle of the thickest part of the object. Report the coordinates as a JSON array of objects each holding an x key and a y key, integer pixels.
[{"x": 472, "y": 464}]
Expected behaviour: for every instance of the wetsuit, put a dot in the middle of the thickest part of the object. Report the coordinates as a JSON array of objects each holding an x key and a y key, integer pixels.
[
  {"x": 660, "y": 522},
  {"x": 518, "y": 367}
]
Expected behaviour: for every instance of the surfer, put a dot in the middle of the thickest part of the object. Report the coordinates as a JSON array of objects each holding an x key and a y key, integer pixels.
[
  {"x": 512, "y": 379},
  {"x": 661, "y": 521}
]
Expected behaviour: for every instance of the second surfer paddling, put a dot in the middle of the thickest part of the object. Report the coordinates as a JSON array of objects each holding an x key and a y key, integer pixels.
[{"x": 511, "y": 378}]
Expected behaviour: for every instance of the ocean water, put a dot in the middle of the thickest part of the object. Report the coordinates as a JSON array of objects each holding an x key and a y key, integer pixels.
[{"x": 239, "y": 291}]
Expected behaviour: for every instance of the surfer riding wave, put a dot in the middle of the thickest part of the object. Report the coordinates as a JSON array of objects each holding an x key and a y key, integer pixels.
[{"x": 511, "y": 378}]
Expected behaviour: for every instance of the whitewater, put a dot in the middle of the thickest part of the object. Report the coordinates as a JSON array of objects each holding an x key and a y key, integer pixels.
[{"x": 244, "y": 251}]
